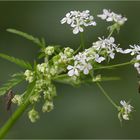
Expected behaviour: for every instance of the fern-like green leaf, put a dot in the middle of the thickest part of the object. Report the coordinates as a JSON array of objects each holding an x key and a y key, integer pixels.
[
  {"x": 15, "y": 80},
  {"x": 27, "y": 36},
  {"x": 17, "y": 61}
]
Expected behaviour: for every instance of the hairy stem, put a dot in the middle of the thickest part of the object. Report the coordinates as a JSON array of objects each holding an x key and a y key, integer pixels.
[
  {"x": 107, "y": 96},
  {"x": 17, "y": 114}
]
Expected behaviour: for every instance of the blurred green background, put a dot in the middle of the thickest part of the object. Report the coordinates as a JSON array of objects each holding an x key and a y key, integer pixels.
[{"x": 79, "y": 112}]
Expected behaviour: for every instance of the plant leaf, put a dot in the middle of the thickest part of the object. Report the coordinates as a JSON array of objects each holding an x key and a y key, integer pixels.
[
  {"x": 17, "y": 61},
  {"x": 27, "y": 36},
  {"x": 15, "y": 80},
  {"x": 65, "y": 79}
]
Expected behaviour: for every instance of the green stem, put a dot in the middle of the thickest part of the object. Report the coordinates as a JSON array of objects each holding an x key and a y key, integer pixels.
[
  {"x": 7, "y": 126},
  {"x": 107, "y": 96},
  {"x": 111, "y": 33},
  {"x": 17, "y": 114},
  {"x": 113, "y": 66},
  {"x": 82, "y": 40}
]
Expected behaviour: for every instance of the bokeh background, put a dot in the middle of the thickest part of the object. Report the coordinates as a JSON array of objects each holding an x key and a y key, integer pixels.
[{"x": 79, "y": 112}]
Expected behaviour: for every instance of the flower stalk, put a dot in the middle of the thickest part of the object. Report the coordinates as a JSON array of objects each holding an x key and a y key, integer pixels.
[
  {"x": 107, "y": 96},
  {"x": 82, "y": 40}
]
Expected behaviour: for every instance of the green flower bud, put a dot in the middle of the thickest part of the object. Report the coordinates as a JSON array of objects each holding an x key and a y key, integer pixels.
[
  {"x": 33, "y": 115},
  {"x": 48, "y": 106},
  {"x": 29, "y": 76},
  {"x": 49, "y": 50},
  {"x": 17, "y": 99},
  {"x": 42, "y": 67},
  {"x": 35, "y": 98},
  {"x": 97, "y": 78},
  {"x": 68, "y": 51}
]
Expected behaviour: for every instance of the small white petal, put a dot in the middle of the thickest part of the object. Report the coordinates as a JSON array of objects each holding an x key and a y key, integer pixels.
[
  {"x": 86, "y": 71},
  {"x": 100, "y": 59},
  {"x": 63, "y": 20},
  {"x": 71, "y": 72},
  {"x": 76, "y": 72},
  {"x": 75, "y": 30},
  {"x": 69, "y": 67},
  {"x": 127, "y": 51},
  {"x": 112, "y": 55},
  {"x": 103, "y": 17},
  {"x": 125, "y": 117},
  {"x": 109, "y": 19},
  {"x": 138, "y": 57},
  {"x": 136, "y": 65},
  {"x": 81, "y": 29}
]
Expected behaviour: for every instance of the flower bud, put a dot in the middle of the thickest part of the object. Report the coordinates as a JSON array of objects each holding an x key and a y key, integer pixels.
[
  {"x": 17, "y": 99},
  {"x": 48, "y": 106},
  {"x": 29, "y": 76},
  {"x": 34, "y": 98},
  {"x": 49, "y": 50},
  {"x": 33, "y": 115},
  {"x": 68, "y": 51}
]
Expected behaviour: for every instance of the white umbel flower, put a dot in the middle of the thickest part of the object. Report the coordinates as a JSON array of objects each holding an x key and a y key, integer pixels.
[
  {"x": 73, "y": 70},
  {"x": 134, "y": 49},
  {"x": 105, "y": 47},
  {"x": 77, "y": 20},
  {"x": 111, "y": 16},
  {"x": 137, "y": 66},
  {"x": 126, "y": 110},
  {"x": 85, "y": 67}
]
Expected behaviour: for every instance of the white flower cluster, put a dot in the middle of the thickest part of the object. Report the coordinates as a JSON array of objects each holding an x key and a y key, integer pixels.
[
  {"x": 135, "y": 51},
  {"x": 107, "y": 47},
  {"x": 100, "y": 51},
  {"x": 111, "y": 16},
  {"x": 126, "y": 110},
  {"x": 77, "y": 20},
  {"x": 79, "y": 65}
]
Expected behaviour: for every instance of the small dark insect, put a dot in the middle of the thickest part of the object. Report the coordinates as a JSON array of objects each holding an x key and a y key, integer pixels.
[
  {"x": 8, "y": 99},
  {"x": 139, "y": 86},
  {"x": 138, "y": 77}
]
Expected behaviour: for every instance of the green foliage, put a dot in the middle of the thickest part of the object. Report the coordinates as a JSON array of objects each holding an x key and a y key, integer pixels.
[
  {"x": 17, "y": 61},
  {"x": 15, "y": 80},
  {"x": 28, "y": 37},
  {"x": 65, "y": 79}
]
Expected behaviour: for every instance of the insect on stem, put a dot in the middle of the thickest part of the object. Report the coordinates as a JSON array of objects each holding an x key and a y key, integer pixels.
[{"x": 8, "y": 99}]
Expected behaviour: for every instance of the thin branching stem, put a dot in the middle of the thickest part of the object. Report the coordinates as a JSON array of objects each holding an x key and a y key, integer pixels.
[
  {"x": 116, "y": 65},
  {"x": 107, "y": 96},
  {"x": 82, "y": 40}
]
